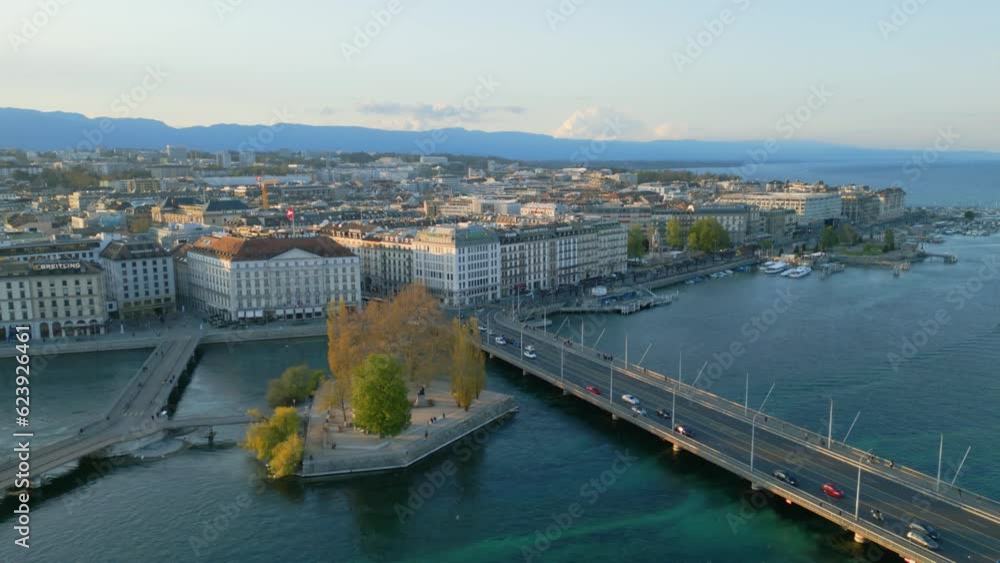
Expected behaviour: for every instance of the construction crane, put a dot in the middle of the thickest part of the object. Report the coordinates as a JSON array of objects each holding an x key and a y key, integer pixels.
[{"x": 264, "y": 203}]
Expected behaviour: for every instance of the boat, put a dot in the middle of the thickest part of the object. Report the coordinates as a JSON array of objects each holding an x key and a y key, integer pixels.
[
  {"x": 800, "y": 272},
  {"x": 776, "y": 268}
]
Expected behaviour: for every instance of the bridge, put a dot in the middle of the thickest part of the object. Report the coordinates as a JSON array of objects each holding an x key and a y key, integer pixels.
[
  {"x": 134, "y": 415},
  {"x": 753, "y": 445}
]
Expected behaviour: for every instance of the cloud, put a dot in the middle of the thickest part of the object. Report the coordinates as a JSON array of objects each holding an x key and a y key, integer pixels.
[
  {"x": 436, "y": 113},
  {"x": 599, "y": 122}
]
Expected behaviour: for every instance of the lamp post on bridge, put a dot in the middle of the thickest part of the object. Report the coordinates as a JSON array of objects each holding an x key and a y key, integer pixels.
[
  {"x": 753, "y": 426},
  {"x": 857, "y": 493}
]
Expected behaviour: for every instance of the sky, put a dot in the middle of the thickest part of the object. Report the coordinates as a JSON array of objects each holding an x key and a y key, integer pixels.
[{"x": 875, "y": 73}]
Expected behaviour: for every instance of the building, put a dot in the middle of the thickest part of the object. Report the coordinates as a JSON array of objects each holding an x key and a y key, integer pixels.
[
  {"x": 811, "y": 208},
  {"x": 138, "y": 279},
  {"x": 458, "y": 264},
  {"x": 56, "y": 299},
  {"x": 778, "y": 224},
  {"x": 186, "y": 210},
  {"x": 134, "y": 185},
  {"x": 740, "y": 221},
  {"x": 56, "y": 249},
  {"x": 892, "y": 204},
  {"x": 270, "y": 278},
  {"x": 177, "y": 153},
  {"x": 386, "y": 256},
  {"x": 860, "y": 207},
  {"x": 82, "y": 200},
  {"x": 550, "y": 210}
]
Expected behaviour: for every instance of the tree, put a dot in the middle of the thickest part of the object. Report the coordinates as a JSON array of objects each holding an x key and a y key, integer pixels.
[
  {"x": 828, "y": 239},
  {"x": 708, "y": 235},
  {"x": 847, "y": 235},
  {"x": 636, "y": 241},
  {"x": 287, "y": 457},
  {"x": 264, "y": 436},
  {"x": 295, "y": 385},
  {"x": 970, "y": 215},
  {"x": 417, "y": 330},
  {"x": 343, "y": 352},
  {"x": 890, "y": 241},
  {"x": 468, "y": 363},
  {"x": 675, "y": 234},
  {"x": 380, "y": 397}
]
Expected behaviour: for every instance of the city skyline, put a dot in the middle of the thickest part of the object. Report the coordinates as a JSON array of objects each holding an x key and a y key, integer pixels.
[{"x": 879, "y": 74}]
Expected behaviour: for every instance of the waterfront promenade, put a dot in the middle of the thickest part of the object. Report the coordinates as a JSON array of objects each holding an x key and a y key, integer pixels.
[
  {"x": 752, "y": 445},
  {"x": 334, "y": 449}
]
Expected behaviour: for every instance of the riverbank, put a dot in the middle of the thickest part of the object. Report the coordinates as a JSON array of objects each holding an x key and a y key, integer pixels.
[{"x": 333, "y": 449}]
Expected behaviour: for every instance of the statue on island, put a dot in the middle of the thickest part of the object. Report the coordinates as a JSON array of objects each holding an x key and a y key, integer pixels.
[{"x": 421, "y": 398}]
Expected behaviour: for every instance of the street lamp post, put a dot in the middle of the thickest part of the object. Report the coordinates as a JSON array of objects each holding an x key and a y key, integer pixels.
[
  {"x": 829, "y": 435},
  {"x": 857, "y": 493},
  {"x": 746, "y": 396},
  {"x": 644, "y": 353},
  {"x": 937, "y": 486},
  {"x": 753, "y": 425}
]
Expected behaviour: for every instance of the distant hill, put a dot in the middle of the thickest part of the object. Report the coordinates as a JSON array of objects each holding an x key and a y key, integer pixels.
[{"x": 45, "y": 131}]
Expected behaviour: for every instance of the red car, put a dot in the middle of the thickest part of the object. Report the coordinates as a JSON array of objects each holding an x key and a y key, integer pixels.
[
  {"x": 593, "y": 389},
  {"x": 833, "y": 491}
]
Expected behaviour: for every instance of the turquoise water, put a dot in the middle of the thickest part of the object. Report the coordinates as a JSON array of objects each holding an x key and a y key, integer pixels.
[{"x": 525, "y": 477}]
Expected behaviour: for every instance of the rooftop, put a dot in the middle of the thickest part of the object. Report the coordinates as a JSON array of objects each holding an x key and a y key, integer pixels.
[{"x": 247, "y": 249}]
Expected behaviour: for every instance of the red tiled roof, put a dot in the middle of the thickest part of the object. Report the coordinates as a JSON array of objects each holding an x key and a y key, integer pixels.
[{"x": 247, "y": 249}]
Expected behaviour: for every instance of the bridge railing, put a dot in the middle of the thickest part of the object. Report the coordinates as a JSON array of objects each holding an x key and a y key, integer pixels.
[{"x": 978, "y": 503}]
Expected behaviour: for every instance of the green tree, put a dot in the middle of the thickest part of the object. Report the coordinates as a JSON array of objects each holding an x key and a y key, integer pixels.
[
  {"x": 379, "y": 397},
  {"x": 636, "y": 241},
  {"x": 675, "y": 233},
  {"x": 970, "y": 215},
  {"x": 847, "y": 235},
  {"x": 828, "y": 239},
  {"x": 468, "y": 363},
  {"x": 295, "y": 385},
  {"x": 890, "y": 241},
  {"x": 708, "y": 235},
  {"x": 286, "y": 458}
]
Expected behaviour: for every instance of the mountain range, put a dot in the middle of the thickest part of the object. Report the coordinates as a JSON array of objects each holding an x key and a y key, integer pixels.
[{"x": 47, "y": 131}]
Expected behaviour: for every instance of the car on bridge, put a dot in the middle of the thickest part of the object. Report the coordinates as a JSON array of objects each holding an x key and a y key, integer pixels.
[
  {"x": 785, "y": 476},
  {"x": 530, "y": 355},
  {"x": 593, "y": 389},
  {"x": 921, "y": 540},
  {"x": 925, "y": 529},
  {"x": 833, "y": 490},
  {"x": 630, "y": 399},
  {"x": 482, "y": 328},
  {"x": 684, "y": 431},
  {"x": 529, "y": 348},
  {"x": 500, "y": 340},
  {"x": 662, "y": 413},
  {"x": 637, "y": 410}
]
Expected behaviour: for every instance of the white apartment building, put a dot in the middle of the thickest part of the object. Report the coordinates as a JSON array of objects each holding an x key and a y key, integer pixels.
[
  {"x": 386, "y": 256},
  {"x": 458, "y": 264},
  {"x": 139, "y": 279},
  {"x": 55, "y": 249},
  {"x": 55, "y": 299},
  {"x": 270, "y": 278},
  {"x": 550, "y": 210},
  {"x": 810, "y": 207}
]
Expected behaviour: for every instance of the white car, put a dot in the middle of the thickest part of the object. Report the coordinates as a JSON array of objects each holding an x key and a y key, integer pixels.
[
  {"x": 639, "y": 411},
  {"x": 530, "y": 355},
  {"x": 630, "y": 399},
  {"x": 500, "y": 341},
  {"x": 529, "y": 348}
]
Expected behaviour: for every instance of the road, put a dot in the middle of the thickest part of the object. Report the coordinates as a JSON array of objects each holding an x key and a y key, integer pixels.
[{"x": 966, "y": 535}]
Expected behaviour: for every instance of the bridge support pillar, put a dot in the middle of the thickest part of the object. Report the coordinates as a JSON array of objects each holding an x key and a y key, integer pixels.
[
  {"x": 614, "y": 417},
  {"x": 858, "y": 538},
  {"x": 677, "y": 447},
  {"x": 565, "y": 391},
  {"x": 755, "y": 487}
]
